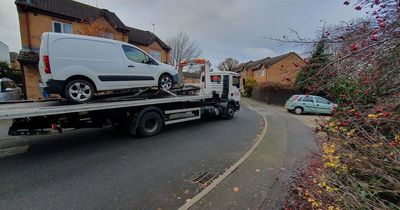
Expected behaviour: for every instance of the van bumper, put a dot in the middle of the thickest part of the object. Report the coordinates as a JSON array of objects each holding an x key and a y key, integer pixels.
[{"x": 53, "y": 86}]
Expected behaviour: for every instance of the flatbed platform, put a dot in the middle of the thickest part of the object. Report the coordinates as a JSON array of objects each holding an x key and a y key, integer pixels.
[{"x": 45, "y": 108}]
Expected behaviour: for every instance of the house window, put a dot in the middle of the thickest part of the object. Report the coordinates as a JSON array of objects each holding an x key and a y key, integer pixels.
[
  {"x": 59, "y": 27},
  {"x": 262, "y": 73},
  {"x": 155, "y": 54},
  {"x": 108, "y": 35}
]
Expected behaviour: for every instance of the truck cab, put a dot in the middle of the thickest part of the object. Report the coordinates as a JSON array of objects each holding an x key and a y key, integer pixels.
[{"x": 223, "y": 84}]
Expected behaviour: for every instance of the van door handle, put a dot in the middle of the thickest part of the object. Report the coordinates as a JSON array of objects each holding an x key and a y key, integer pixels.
[{"x": 131, "y": 66}]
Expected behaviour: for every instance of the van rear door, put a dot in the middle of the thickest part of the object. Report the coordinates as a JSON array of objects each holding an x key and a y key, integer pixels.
[{"x": 44, "y": 51}]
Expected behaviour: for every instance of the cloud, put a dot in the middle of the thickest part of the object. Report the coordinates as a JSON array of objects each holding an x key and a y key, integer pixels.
[
  {"x": 257, "y": 53},
  {"x": 223, "y": 28}
]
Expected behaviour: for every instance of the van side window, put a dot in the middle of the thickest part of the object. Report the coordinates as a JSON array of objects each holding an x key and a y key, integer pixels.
[{"x": 135, "y": 55}]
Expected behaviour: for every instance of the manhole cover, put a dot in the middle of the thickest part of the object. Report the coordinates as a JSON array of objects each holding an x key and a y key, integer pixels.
[{"x": 204, "y": 178}]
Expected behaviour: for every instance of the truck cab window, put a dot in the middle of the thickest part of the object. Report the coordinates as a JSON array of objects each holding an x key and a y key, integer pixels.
[
  {"x": 215, "y": 79},
  {"x": 135, "y": 55},
  {"x": 236, "y": 81}
]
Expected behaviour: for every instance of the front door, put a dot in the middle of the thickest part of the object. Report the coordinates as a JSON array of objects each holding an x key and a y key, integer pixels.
[{"x": 140, "y": 68}]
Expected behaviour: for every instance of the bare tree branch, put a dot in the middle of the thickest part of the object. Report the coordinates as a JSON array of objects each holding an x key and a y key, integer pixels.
[{"x": 182, "y": 48}]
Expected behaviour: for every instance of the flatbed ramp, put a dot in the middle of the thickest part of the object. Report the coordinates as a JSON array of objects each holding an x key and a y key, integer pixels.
[{"x": 35, "y": 109}]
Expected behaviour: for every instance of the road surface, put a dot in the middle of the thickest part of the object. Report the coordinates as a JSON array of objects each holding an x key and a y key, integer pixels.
[{"x": 101, "y": 169}]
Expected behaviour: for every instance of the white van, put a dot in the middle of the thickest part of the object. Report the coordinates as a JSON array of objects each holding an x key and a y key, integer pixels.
[{"x": 76, "y": 67}]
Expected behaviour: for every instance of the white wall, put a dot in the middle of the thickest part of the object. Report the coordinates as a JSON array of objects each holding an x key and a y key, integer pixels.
[{"x": 4, "y": 53}]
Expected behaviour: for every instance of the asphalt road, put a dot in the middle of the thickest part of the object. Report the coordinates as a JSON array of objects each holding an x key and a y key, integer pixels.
[{"x": 101, "y": 169}]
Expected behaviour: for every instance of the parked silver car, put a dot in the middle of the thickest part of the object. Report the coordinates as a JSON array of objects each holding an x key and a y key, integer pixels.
[{"x": 9, "y": 91}]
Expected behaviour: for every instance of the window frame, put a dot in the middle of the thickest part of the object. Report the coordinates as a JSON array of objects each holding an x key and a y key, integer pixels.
[{"x": 62, "y": 27}]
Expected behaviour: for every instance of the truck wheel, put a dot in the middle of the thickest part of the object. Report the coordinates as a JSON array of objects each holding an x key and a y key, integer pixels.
[
  {"x": 165, "y": 82},
  {"x": 79, "y": 91},
  {"x": 229, "y": 112},
  {"x": 150, "y": 124}
]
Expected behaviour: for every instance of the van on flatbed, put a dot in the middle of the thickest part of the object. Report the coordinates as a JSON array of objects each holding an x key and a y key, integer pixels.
[
  {"x": 77, "y": 67},
  {"x": 144, "y": 113}
]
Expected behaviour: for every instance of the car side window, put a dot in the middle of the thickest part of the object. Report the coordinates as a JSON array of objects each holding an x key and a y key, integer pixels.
[
  {"x": 300, "y": 98},
  {"x": 308, "y": 99},
  {"x": 321, "y": 100},
  {"x": 135, "y": 55}
]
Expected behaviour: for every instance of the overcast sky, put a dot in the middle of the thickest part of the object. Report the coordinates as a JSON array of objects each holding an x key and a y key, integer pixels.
[{"x": 223, "y": 28}]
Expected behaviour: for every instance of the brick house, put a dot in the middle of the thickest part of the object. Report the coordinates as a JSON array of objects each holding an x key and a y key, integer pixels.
[
  {"x": 150, "y": 43},
  {"x": 67, "y": 16},
  {"x": 278, "y": 70}
]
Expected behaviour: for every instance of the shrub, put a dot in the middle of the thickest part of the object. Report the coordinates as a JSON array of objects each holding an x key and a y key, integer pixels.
[{"x": 249, "y": 86}]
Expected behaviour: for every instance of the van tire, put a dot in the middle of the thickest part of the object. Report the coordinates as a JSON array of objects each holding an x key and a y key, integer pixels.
[
  {"x": 79, "y": 91},
  {"x": 150, "y": 124},
  {"x": 165, "y": 82}
]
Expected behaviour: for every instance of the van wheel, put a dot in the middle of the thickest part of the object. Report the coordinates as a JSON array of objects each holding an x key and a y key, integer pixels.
[
  {"x": 165, "y": 82},
  {"x": 150, "y": 124},
  {"x": 298, "y": 110},
  {"x": 79, "y": 91}
]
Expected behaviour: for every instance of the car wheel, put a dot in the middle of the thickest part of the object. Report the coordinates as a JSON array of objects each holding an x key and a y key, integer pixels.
[
  {"x": 298, "y": 110},
  {"x": 150, "y": 124},
  {"x": 165, "y": 82},
  {"x": 79, "y": 91}
]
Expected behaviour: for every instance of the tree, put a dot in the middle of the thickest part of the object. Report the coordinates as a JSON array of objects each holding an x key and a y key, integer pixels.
[
  {"x": 318, "y": 60},
  {"x": 4, "y": 67},
  {"x": 182, "y": 47},
  {"x": 228, "y": 64}
]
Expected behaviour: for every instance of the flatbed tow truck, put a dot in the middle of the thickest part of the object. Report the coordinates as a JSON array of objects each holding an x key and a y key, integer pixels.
[{"x": 145, "y": 112}]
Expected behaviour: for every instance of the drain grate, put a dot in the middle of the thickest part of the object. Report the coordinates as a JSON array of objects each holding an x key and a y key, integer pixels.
[{"x": 204, "y": 178}]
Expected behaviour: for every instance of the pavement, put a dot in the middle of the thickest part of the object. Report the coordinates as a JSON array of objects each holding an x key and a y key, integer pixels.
[
  {"x": 102, "y": 169},
  {"x": 261, "y": 181}
]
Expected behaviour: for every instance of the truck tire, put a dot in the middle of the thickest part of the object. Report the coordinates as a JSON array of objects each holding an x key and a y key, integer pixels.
[
  {"x": 79, "y": 91},
  {"x": 229, "y": 112},
  {"x": 150, "y": 124}
]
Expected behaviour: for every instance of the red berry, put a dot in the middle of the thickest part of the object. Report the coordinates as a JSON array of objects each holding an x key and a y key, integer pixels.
[
  {"x": 377, "y": 1},
  {"x": 374, "y": 37},
  {"x": 382, "y": 24},
  {"x": 353, "y": 47}
]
